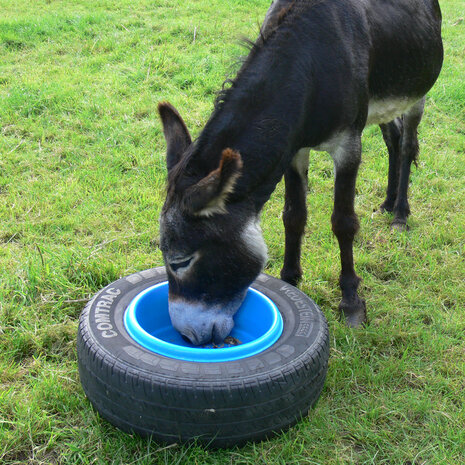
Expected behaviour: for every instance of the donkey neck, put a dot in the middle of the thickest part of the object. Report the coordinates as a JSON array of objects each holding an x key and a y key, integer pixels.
[{"x": 260, "y": 117}]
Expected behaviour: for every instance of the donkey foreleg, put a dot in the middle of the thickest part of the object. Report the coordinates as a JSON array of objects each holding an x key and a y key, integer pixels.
[
  {"x": 295, "y": 215},
  {"x": 345, "y": 225}
]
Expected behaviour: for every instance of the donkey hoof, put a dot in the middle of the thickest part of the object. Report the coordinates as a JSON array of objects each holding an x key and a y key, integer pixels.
[
  {"x": 355, "y": 312},
  {"x": 386, "y": 208},
  {"x": 291, "y": 276},
  {"x": 399, "y": 225}
]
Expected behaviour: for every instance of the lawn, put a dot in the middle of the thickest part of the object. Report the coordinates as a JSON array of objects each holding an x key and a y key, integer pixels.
[{"x": 82, "y": 178}]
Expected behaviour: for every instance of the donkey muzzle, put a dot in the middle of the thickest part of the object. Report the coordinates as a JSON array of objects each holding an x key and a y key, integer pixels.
[{"x": 200, "y": 323}]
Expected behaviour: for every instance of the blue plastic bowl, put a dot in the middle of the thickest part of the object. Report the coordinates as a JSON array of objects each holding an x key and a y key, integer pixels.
[{"x": 258, "y": 325}]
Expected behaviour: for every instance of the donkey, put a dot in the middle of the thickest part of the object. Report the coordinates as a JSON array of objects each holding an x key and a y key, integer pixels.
[{"x": 320, "y": 71}]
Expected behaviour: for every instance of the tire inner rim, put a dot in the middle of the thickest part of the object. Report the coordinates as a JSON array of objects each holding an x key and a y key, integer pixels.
[{"x": 258, "y": 325}]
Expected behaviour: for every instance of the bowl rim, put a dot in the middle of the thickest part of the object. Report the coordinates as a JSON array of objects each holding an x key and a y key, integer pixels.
[{"x": 198, "y": 354}]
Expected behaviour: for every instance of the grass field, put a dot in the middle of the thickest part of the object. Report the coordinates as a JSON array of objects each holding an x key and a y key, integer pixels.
[{"x": 82, "y": 177}]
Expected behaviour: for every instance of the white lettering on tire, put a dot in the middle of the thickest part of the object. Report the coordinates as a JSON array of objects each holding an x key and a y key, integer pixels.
[{"x": 102, "y": 312}]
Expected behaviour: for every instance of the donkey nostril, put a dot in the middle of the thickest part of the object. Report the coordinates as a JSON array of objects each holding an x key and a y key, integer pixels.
[
  {"x": 186, "y": 339},
  {"x": 190, "y": 337}
]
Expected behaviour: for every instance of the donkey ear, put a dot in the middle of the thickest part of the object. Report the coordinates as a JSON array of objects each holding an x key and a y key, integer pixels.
[
  {"x": 209, "y": 195},
  {"x": 176, "y": 134}
]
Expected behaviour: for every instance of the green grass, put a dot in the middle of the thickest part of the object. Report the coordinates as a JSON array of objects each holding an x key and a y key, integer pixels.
[{"x": 82, "y": 177}]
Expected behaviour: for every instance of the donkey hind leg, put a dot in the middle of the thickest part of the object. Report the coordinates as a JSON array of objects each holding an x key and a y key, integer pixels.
[
  {"x": 408, "y": 153},
  {"x": 392, "y": 135},
  {"x": 345, "y": 225},
  {"x": 295, "y": 215}
]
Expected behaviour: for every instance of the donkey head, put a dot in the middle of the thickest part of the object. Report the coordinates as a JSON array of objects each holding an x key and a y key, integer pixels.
[{"x": 213, "y": 248}]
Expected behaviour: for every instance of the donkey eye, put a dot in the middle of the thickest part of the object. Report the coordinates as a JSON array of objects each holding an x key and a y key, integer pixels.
[{"x": 175, "y": 266}]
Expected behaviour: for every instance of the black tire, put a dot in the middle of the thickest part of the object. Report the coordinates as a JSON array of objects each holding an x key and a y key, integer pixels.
[{"x": 219, "y": 404}]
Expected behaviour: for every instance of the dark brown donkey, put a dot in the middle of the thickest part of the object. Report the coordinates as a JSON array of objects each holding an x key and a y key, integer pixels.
[{"x": 319, "y": 73}]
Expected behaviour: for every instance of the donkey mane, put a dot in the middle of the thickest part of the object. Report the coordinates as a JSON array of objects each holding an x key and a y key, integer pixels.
[{"x": 253, "y": 48}]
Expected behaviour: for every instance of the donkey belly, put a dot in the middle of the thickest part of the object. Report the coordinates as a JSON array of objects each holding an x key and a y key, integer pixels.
[
  {"x": 385, "y": 110},
  {"x": 406, "y": 52}
]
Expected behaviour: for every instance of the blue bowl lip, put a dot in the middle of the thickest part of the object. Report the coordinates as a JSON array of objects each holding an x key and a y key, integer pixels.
[{"x": 197, "y": 354}]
